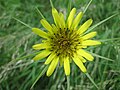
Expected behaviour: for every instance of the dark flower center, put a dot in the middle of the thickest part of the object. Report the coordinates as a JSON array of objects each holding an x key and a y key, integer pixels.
[{"x": 65, "y": 42}]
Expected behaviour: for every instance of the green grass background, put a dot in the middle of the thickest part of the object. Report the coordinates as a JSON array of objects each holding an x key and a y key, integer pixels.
[{"x": 18, "y": 72}]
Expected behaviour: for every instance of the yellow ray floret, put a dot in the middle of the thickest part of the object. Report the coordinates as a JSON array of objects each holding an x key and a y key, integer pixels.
[
  {"x": 55, "y": 29},
  {"x": 40, "y": 32},
  {"x": 41, "y": 46},
  {"x": 82, "y": 59},
  {"x": 56, "y": 17},
  {"x": 61, "y": 61},
  {"x": 85, "y": 54},
  {"x": 46, "y": 25},
  {"x": 79, "y": 63},
  {"x": 52, "y": 66},
  {"x": 42, "y": 55},
  {"x": 77, "y": 20},
  {"x": 66, "y": 65},
  {"x": 89, "y": 35},
  {"x": 85, "y": 26},
  {"x": 50, "y": 58},
  {"x": 90, "y": 42},
  {"x": 62, "y": 20},
  {"x": 70, "y": 17}
]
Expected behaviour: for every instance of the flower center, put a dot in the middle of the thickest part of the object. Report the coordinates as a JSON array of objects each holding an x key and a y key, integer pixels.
[{"x": 65, "y": 42}]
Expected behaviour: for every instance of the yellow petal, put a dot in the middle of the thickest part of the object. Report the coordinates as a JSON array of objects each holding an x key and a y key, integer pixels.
[
  {"x": 52, "y": 66},
  {"x": 40, "y": 32},
  {"x": 82, "y": 59},
  {"x": 77, "y": 20},
  {"x": 89, "y": 35},
  {"x": 41, "y": 46},
  {"x": 62, "y": 20},
  {"x": 85, "y": 54},
  {"x": 61, "y": 61},
  {"x": 46, "y": 25},
  {"x": 79, "y": 63},
  {"x": 85, "y": 26},
  {"x": 42, "y": 55},
  {"x": 70, "y": 17},
  {"x": 50, "y": 58},
  {"x": 82, "y": 46},
  {"x": 55, "y": 29},
  {"x": 67, "y": 66},
  {"x": 56, "y": 17},
  {"x": 91, "y": 42}
]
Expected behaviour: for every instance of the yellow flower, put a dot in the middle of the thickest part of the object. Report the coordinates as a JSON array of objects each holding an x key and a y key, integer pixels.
[{"x": 65, "y": 41}]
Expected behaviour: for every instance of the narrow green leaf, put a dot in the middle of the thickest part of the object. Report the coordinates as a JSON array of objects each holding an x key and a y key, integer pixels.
[
  {"x": 94, "y": 26},
  {"x": 51, "y": 4},
  {"x": 69, "y": 7},
  {"x": 112, "y": 39},
  {"x": 41, "y": 73},
  {"x": 22, "y": 22},
  {"x": 91, "y": 80},
  {"x": 26, "y": 56},
  {"x": 87, "y": 6},
  {"x": 40, "y": 13},
  {"x": 96, "y": 55}
]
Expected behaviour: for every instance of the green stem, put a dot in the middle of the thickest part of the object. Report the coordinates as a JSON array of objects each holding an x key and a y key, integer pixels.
[{"x": 68, "y": 83}]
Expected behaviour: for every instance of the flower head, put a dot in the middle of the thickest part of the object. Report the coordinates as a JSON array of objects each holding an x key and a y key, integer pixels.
[{"x": 65, "y": 41}]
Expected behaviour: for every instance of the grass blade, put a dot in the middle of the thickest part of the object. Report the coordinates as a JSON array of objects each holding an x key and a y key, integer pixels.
[
  {"x": 94, "y": 26},
  {"x": 22, "y": 22},
  {"x": 51, "y": 4},
  {"x": 87, "y": 6},
  {"x": 43, "y": 72},
  {"x": 96, "y": 55},
  {"x": 112, "y": 39},
  {"x": 40, "y": 13},
  {"x": 91, "y": 80}
]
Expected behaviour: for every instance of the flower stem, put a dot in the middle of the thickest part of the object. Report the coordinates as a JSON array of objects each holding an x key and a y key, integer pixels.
[{"x": 68, "y": 83}]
